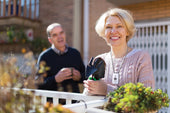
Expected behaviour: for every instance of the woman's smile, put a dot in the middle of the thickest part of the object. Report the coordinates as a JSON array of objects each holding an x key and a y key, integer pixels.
[
  {"x": 115, "y": 31},
  {"x": 114, "y": 38}
]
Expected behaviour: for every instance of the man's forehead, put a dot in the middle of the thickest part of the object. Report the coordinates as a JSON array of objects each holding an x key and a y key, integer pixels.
[{"x": 57, "y": 29}]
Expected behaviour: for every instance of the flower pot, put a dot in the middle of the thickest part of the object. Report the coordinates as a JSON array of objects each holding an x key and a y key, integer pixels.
[{"x": 98, "y": 110}]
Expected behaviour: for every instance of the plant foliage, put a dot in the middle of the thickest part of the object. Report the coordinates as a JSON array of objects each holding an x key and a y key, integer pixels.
[
  {"x": 136, "y": 98},
  {"x": 12, "y": 98}
]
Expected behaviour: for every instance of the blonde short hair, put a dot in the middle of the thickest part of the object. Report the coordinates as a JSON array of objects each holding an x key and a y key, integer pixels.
[
  {"x": 51, "y": 27},
  {"x": 125, "y": 17}
]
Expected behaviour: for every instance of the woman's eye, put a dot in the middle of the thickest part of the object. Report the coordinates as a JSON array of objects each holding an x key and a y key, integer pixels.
[
  {"x": 108, "y": 27},
  {"x": 119, "y": 26}
]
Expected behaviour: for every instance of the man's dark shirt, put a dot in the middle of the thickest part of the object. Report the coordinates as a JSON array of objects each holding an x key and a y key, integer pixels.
[{"x": 56, "y": 62}]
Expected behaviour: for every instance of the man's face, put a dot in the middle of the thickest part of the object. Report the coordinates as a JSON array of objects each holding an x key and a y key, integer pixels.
[{"x": 58, "y": 37}]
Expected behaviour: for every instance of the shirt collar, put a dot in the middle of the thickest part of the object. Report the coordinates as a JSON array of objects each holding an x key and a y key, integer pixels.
[{"x": 58, "y": 51}]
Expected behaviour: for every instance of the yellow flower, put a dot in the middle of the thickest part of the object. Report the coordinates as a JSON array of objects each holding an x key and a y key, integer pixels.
[
  {"x": 140, "y": 89},
  {"x": 5, "y": 79},
  {"x": 23, "y": 50},
  {"x": 60, "y": 107},
  {"x": 115, "y": 94},
  {"x": 44, "y": 49},
  {"x": 127, "y": 90}
]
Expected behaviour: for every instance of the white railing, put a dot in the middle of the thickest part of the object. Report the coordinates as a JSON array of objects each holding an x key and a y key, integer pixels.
[
  {"x": 84, "y": 105},
  {"x": 87, "y": 106},
  {"x": 56, "y": 95},
  {"x": 155, "y": 38}
]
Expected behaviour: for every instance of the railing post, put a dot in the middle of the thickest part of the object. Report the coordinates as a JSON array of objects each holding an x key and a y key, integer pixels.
[
  {"x": 19, "y": 8},
  {"x": 44, "y": 100},
  {"x": 0, "y": 8},
  {"x": 168, "y": 63},
  {"x": 30, "y": 9},
  {"x": 14, "y": 7},
  {"x": 25, "y": 8},
  {"x": 55, "y": 101},
  {"x": 9, "y": 7},
  {"x": 35, "y": 8},
  {"x": 4, "y": 7},
  {"x": 68, "y": 101}
]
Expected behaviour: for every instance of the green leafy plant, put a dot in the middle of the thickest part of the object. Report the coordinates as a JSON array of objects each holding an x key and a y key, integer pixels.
[
  {"x": 21, "y": 36},
  {"x": 16, "y": 36},
  {"x": 136, "y": 98},
  {"x": 11, "y": 34},
  {"x": 39, "y": 44},
  {"x": 12, "y": 98},
  {"x": 13, "y": 79}
]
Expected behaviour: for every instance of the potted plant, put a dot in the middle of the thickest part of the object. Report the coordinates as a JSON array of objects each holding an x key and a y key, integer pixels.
[
  {"x": 136, "y": 98},
  {"x": 38, "y": 45}
]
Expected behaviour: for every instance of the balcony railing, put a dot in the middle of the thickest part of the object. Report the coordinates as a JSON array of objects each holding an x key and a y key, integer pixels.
[
  {"x": 85, "y": 105},
  {"x": 20, "y": 8}
]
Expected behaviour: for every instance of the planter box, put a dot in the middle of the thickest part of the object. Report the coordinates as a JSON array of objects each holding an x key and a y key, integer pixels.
[
  {"x": 97, "y": 110},
  {"x": 14, "y": 47}
]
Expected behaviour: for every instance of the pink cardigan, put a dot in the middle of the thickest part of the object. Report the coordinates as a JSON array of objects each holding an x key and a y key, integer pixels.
[{"x": 137, "y": 67}]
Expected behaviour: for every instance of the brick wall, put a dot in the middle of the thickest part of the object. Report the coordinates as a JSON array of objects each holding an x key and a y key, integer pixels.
[
  {"x": 60, "y": 11},
  {"x": 97, "y": 45},
  {"x": 150, "y": 10}
]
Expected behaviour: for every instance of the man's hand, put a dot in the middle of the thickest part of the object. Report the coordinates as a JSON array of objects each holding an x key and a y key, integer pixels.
[
  {"x": 76, "y": 75},
  {"x": 63, "y": 74}
]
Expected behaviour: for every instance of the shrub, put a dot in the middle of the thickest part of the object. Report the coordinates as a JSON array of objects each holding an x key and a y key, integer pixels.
[
  {"x": 12, "y": 98},
  {"x": 13, "y": 79},
  {"x": 136, "y": 98}
]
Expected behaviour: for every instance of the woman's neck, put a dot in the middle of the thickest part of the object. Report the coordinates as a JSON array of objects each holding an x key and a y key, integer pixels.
[{"x": 119, "y": 52}]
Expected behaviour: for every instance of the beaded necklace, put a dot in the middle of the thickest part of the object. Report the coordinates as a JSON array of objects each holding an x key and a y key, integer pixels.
[{"x": 116, "y": 77}]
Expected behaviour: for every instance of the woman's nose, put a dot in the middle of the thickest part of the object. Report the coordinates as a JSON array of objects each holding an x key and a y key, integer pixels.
[{"x": 113, "y": 30}]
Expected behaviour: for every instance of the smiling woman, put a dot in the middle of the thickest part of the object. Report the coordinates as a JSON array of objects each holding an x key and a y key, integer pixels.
[
  {"x": 123, "y": 64},
  {"x": 115, "y": 33}
]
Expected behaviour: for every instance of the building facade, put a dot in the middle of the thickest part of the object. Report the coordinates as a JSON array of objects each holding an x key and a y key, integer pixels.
[{"x": 78, "y": 17}]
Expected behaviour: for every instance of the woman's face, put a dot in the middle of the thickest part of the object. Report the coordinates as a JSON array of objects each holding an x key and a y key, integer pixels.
[{"x": 115, "y": 32}]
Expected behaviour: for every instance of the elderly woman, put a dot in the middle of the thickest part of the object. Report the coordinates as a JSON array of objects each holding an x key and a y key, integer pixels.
[{"x": 123, "y": 64}]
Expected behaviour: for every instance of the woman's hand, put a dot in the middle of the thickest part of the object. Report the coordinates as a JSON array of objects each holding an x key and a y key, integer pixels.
[{"x": 98, "y": 87}]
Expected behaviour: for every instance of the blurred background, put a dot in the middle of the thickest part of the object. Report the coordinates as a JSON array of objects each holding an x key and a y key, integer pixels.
[{"x": 23, "y": 26}]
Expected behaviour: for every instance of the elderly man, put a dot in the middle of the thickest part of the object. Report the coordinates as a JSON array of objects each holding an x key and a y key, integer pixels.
[{"x": 66, "y": 66}]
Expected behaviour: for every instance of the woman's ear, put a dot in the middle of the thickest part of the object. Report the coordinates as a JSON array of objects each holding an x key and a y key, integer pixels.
[
  {"x": 127, "y": 38},
  {"x": 127, "y": 33}
]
